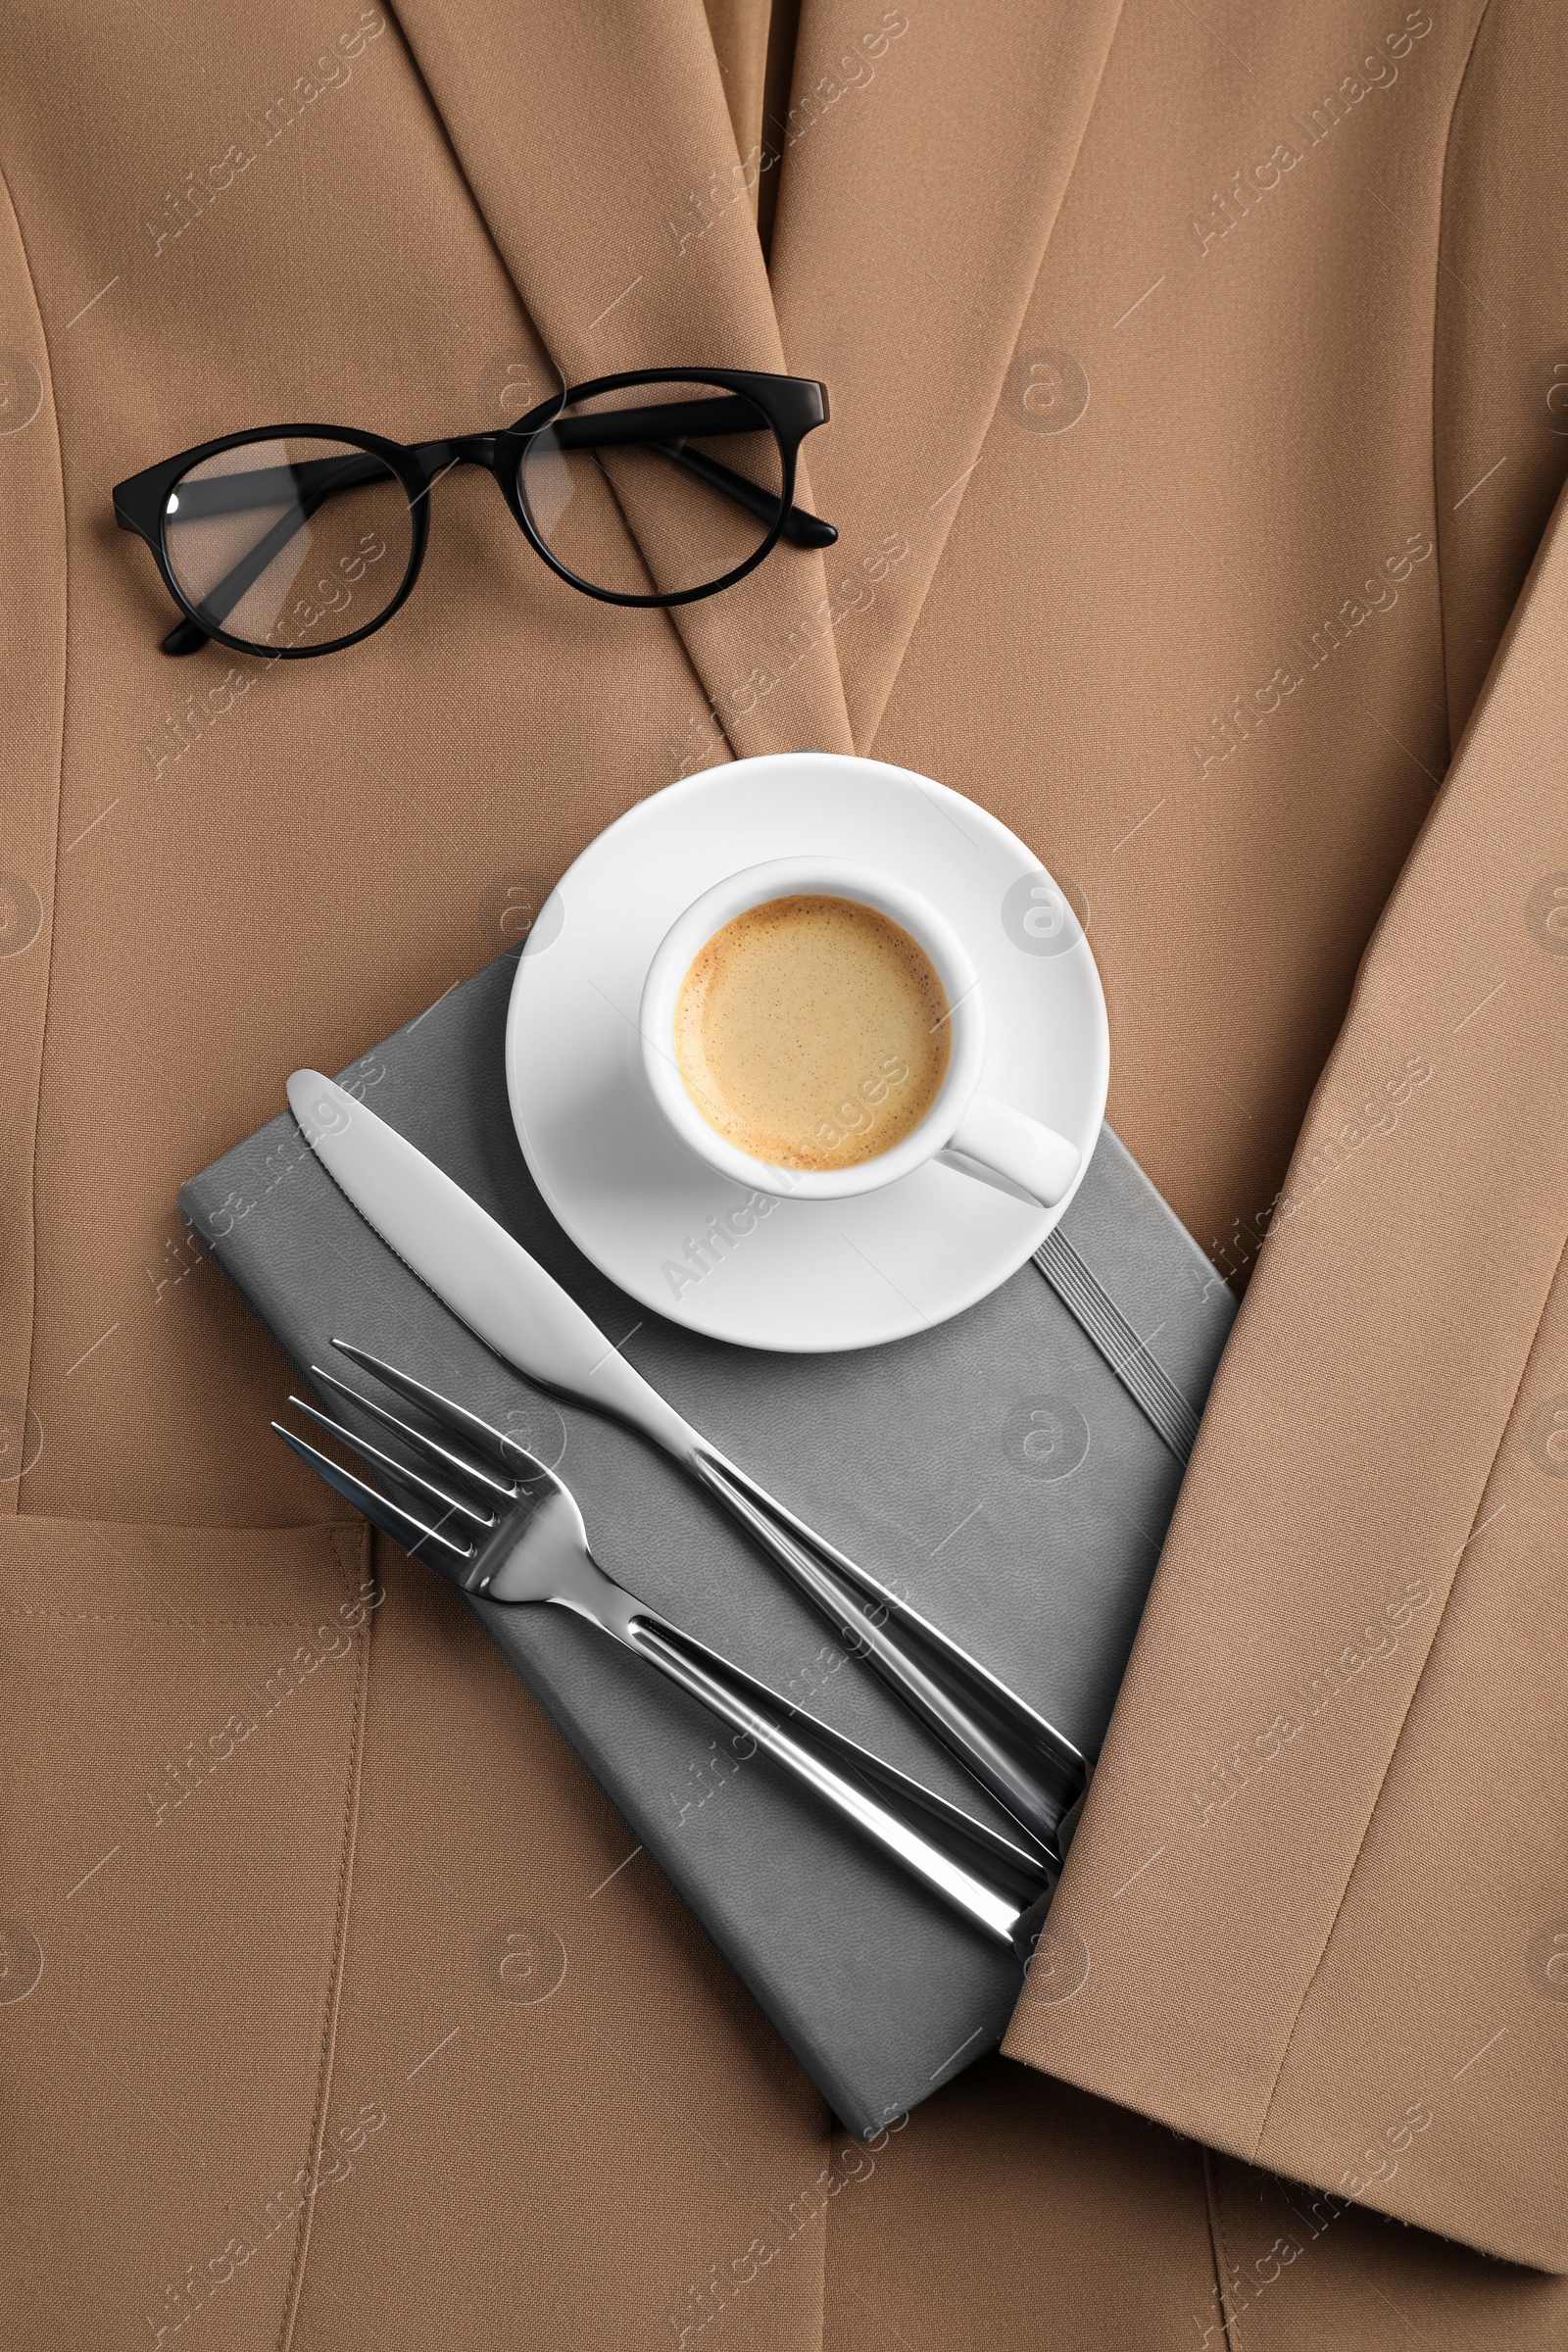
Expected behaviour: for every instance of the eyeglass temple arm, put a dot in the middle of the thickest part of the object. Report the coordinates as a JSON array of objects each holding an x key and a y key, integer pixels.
[
  {"x": 801, "y": 528},
  {"x": 276, "y": 485},
  {"x": 661, "y": 424},
  {"x": 271, "y": 486}
]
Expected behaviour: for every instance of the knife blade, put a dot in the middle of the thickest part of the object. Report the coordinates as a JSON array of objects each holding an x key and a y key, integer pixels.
[{"x": 473, "y": 1264}]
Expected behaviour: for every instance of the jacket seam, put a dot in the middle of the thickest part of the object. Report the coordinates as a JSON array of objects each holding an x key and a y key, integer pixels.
[
  {"x": 1437, "y": 293},
  {"x": 823, "y": 2262},
  {"x": 1214, "y": 2209},
  {"x": 1405, "y": 1718},
  {"x": 186, "y": 1623},
  {"x": 53, "y": 862},
  {"x": 1437, "y": 319},
  {"x": 294, "y": 2292}
]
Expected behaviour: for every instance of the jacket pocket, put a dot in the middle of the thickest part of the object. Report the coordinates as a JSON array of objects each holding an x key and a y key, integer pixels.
[{"x": 179, "y": 1741}]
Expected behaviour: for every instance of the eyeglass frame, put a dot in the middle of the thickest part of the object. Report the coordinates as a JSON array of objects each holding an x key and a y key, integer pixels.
[{"x": 793, "y": 405}]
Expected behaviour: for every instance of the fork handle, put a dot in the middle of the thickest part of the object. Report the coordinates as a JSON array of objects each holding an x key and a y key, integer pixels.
[
  {"x": 994, "y": 1886},
  {"x": 807, "y": 1751}
]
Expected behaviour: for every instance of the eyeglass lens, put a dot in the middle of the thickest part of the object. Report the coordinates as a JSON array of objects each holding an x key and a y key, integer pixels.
[
  {"x": 653, "y": 489},
  {"x": 289, "y": 542}
]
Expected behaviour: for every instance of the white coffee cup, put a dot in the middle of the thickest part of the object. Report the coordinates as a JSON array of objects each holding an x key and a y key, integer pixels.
[{"x": 967, "y": 1129}]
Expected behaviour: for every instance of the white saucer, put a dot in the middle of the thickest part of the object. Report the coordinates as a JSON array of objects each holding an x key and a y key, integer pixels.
[{"x": 808, "y": 1276}]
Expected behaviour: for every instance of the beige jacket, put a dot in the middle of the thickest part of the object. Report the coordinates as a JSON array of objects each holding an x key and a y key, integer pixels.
[{"x": 1200, "y": 389}]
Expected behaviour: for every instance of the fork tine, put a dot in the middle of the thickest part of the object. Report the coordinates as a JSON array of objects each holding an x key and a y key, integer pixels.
[
  {"x": 496, "y": 1446},
  {"x": 373, "y": 1454},
  {"x": 501, "y": 1490},
  {"x": 425, "y": 1544}
]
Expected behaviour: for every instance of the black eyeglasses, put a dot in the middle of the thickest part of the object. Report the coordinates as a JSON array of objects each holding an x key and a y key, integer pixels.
[{"x": 300, "y": 539}]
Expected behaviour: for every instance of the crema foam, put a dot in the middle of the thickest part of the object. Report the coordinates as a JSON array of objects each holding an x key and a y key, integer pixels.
[{"x": 812, "y": 1032}]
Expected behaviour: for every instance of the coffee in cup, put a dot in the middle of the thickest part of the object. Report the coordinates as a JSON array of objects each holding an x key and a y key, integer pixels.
[
  {"x": 816, "y": 1029},
  {"x": 812, "y": 1032}
]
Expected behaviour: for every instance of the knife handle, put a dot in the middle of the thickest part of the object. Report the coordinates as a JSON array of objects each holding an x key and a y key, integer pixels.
[
  {"x": 834, "y": 1771},
  {"x": 1028, "y": 1765}
]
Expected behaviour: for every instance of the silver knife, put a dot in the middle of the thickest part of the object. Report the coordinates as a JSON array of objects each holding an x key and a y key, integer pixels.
[{"x": 506, "y": 1297}]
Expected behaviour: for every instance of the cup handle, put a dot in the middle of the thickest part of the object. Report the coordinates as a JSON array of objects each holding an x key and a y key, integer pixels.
[{"x": 1018, "y": 1147}]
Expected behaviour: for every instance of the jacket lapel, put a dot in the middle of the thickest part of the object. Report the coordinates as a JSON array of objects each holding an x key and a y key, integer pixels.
[
  {"x": 925, "y": 159},
  {"x": 600, "y": 151}
]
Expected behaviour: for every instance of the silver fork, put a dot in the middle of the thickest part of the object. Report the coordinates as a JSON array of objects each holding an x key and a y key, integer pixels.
[{"x": 507, "y": 1530}]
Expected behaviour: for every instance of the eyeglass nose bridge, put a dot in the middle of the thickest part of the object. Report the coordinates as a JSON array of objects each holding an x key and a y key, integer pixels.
[
  {"x": 430, "y": 459},
  {"x": 463, "y": 449}
]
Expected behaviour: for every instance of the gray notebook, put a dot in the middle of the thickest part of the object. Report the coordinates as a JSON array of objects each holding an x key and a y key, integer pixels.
[{"x": 1013, "y": 1472}]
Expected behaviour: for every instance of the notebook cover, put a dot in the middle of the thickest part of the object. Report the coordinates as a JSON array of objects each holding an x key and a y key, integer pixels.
[{"x": 995, "y": 1469}]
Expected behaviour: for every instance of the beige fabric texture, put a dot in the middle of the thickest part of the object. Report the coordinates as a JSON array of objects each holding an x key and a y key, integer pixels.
[{"x": 1200, "y": 385}]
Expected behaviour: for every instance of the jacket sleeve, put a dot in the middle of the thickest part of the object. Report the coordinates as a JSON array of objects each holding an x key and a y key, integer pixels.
[{"x": 1315, "y": 1914}]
